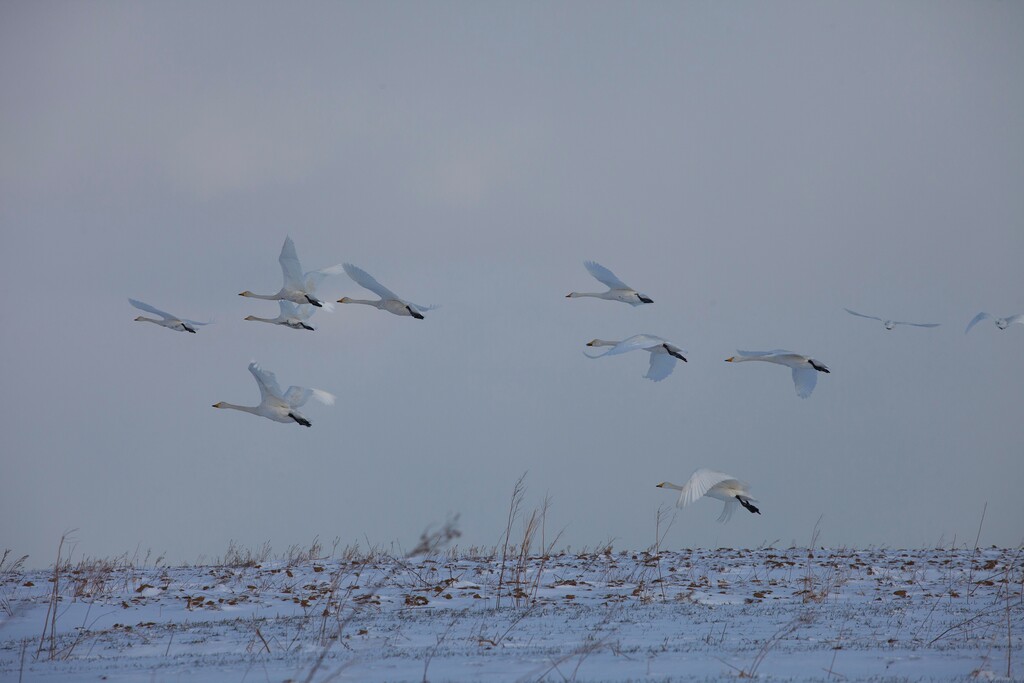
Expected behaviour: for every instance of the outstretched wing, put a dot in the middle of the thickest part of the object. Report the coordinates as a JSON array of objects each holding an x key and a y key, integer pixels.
[
  {"x": 289, "y": 261},
  {"x": 804, "y": 379},
  {"x": 977, "y": 319},
  {"x": 149, "y": 309},
  {"x": 297, "y": 396},
  {"x": 266, "y": 381},
  {"x": 604, "y": 275},
  {"x": 662, "y": 365},
  {"x": 1019, "y": 318},
  {"x": 699, "y": 484},
  {"x": 365, "y": 280},
  {"x": 315, "y": 277},
  {"x": 728, "y": 509},
  {"x": 861, "y": 315}
]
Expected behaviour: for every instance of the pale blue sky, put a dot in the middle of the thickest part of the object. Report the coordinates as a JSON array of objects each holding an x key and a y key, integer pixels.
[{"x": 754, "y": 168}]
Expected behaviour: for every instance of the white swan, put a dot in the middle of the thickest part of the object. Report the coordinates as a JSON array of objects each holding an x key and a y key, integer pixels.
[
  {"x": 715, "y": 485},
  {"x": 292, "y": 315},
  {"x": 1001, "y": 323},
  {"x": 805, "y": 369},
  {"x": 275, "y": 404},
  {"x": 388, "y": 301},
  {"x": 663, "y": 353},
  {"x": 171, "y": 322},
  {"x": 298, "y": 288},
  {"x": 617, "y": 289},
  {"x": 889, "y": 324}
]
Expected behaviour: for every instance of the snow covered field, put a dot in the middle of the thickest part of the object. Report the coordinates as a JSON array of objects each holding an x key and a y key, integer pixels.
[{"x": 775, "y": 614}]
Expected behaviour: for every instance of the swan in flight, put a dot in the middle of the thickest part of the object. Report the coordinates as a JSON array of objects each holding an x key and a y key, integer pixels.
[
  {"x": 1001, "y": 323},
  {"x": 889, "y": 324},
  {"x": 292, "y": 315},
  {"x": 715, "y": 485},
  {"x": 275, "y": 404},
  {"x": 299, "y": 288},
  {"x": 617, "y": 289},
  {"x": 171, "y": 322},
  {"x": 805, "y": 369},
  {"x": 388, "y": 301},
  {"x": 663, "y": 353}
]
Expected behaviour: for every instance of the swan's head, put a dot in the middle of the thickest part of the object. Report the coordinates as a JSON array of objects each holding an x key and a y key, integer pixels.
[
  {"x": 730, "y": 359},
  {"x": 250, "y": 317},
  {"x": 139, "y": 318},
  {"x": 661, "y": 485},
  {"x": 245, "y": 293},
  {"x": 570, "y": 295},
  {"x": 219, "y": 405},
  {"x": 592, "y": 342},
  {"x": 344, "y": 300},
  {"x": 1002, "y": 323},
  {"x": 889, "y": 324}
]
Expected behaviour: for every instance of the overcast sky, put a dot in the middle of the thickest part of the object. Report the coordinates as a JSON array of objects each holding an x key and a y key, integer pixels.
[{"x": 753, "y": 167}]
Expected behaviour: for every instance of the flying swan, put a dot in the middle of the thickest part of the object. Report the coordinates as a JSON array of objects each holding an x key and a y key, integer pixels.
[
  {"x": 171, "y": 322},
  {"x": 292, "y": 315},
  {"x": 663, "y": 353},
  {"x": 889, "y": 324},
  {"x": 805, "y": 369},
  {"x": 1001, "y": 323},
  {"x": 388, "y": 301},
  {"x": 298, "y": 288},
  {"x": 277, "y": 405},
  {"x": 617, "y": 289},
  {"x": 715, "y": 485}
]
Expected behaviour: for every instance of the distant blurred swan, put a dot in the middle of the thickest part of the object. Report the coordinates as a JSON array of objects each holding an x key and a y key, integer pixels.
[
  {"x": 617, "y": 289},
  {"x": 889, "y": 324},
  {"x": 715, "y": 485},
  {"x": 171, "y": 322},
  {"x": 805, "y": 369},
  {"x": 663, "y": 353},
  {"x": 1001, "y": 323},
  {"x": 298, "y": 288},
  {"x": 388, "y": 301},
  {"x": 292, "y": 316},
  {"x": 275, "y": 404}
]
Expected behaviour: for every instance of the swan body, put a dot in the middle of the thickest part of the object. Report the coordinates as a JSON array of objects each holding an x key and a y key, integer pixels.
[
  {"x": 299, "y": 287},
  {"x": 889, "y": 324},
  {"x": 805, "y": 369},
  {"x": 292, "y": 315},
  {"x": 388, "y": 301},
  {"x": 663, "y": 353},
  {"x": 617, "y": 289},
  {"x": 1001, "y": 323},
  {"x": 277, "y": 405},
  {"x": 171, "y": 322},
  {"x": 724, "y": 487}
]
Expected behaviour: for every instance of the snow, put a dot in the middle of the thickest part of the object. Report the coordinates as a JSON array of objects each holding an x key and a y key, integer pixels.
[{"x": 688, "y": 615}]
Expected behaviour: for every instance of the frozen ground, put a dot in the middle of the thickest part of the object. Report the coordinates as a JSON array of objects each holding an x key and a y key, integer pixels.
[{"x": 793, "y": 614}]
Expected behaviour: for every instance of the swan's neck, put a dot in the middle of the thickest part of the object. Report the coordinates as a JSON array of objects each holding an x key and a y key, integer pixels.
[
  {"x": 603, "y": 342},
  {"x": 262, "y": 320},
  {"x": 576, "y": 295},
  {"x": 244, "y": 409},
  {"x": 376, "y": 303},
  {"x": 143, "y": 318},
  {"x": 670, "y": 485},
  {"x": 269, "y": 297}
]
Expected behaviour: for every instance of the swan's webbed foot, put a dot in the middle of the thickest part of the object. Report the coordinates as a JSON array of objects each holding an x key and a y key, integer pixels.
[
  {"x": 301, "y": 420},
  {"x": 306, "y": 327},
  {"x": 414, "y": 313},
  {"x": 189, "y": 329},
  {"x": 818, "y": 366},
  {"x": 673, "y": 353},
  {"x": 746, "y": 503},
  {"x": 645, "y": 299},
  {"x": 314, "y": 301}
]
